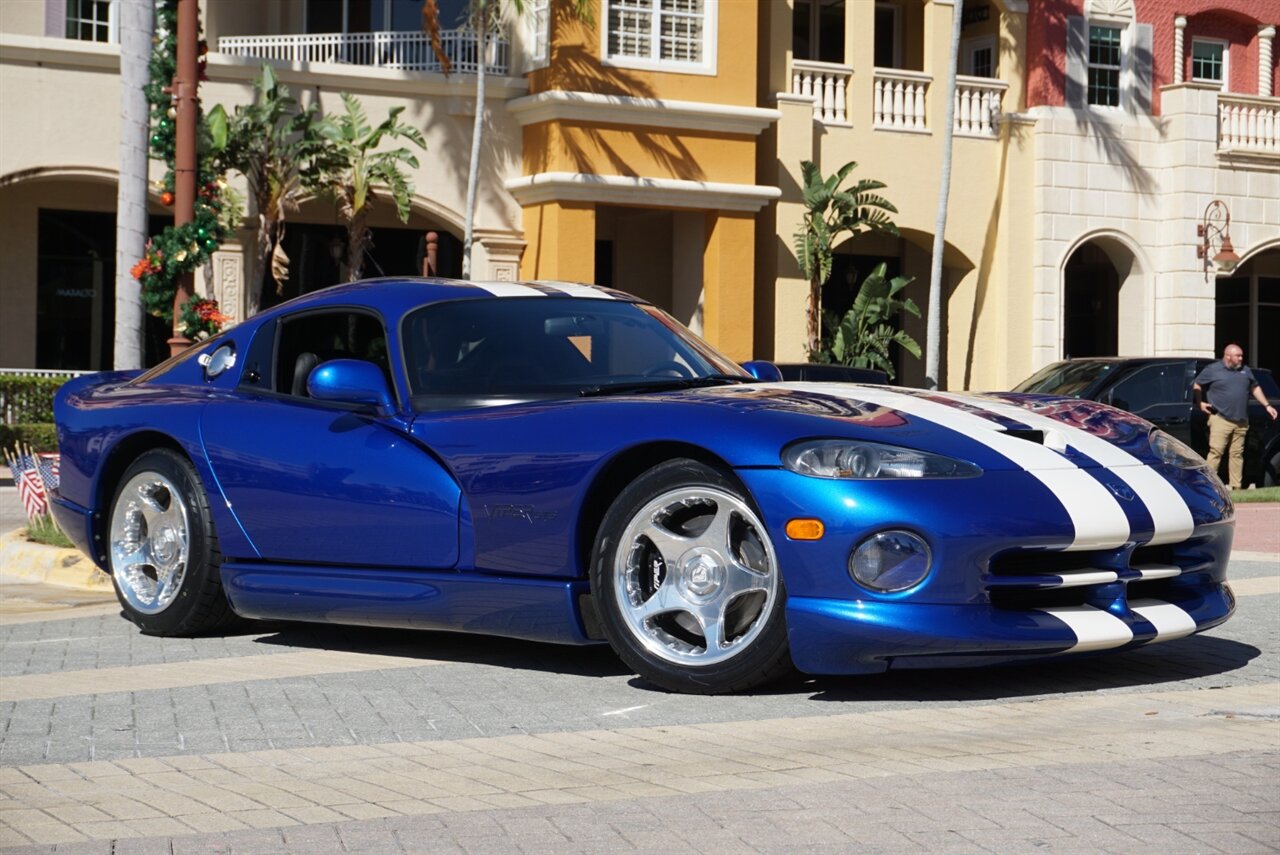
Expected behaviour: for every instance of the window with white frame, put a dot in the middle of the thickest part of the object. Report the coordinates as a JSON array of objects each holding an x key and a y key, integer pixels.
[
  {"x": 90, "y": 20},
  {"x": 1104, "y": 66},
  {"x": 539, "y": 20},
  {"x": 979, "y": 57},
  {"x": 1209, "y": 61},
  {"x": 660, "y": 33}
]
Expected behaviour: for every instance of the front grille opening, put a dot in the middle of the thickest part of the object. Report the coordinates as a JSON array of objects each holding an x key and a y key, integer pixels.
[
  {"x": 1153, "y": 555},
  {"x": 1158, "y": 589},
  {"x": 1029, "y": 563},
  {"x": 1022, "y": 599}
]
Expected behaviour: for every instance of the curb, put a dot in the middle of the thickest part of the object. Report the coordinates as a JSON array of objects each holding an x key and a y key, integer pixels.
[{"x": 22, "y": 560}]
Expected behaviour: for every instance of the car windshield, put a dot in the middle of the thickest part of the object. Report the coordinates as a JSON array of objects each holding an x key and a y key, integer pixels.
[
  {"x": 487, "y": 351},
  {"x": 1068, "y": 379}
]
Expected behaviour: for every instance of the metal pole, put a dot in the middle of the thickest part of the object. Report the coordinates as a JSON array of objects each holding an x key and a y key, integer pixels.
[{"x": 185, "y": 84}]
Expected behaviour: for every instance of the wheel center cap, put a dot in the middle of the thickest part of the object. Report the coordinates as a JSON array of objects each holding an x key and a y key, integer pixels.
[
  {"x": 701, "y": 572},
  {"x": 164, "y": 545}
]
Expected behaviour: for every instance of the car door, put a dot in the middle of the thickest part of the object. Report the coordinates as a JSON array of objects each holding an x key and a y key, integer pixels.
[
  {"x": 324, "y": 483},
  {"x": 1159, "y": 393}
]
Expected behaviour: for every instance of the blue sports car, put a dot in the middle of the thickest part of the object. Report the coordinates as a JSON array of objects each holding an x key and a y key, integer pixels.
[{"x": 568, "y": 464}]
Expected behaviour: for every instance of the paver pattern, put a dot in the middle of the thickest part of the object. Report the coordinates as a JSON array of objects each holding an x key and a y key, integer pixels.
[{"x": 301, "y": 739}]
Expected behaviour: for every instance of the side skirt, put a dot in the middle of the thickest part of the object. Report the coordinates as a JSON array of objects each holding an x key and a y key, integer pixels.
[{"x": 533, "y": 609}]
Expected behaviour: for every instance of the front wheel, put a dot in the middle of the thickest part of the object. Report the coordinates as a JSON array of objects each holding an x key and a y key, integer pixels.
[
  {"x": 687, "y": 583},
  {"x": 163, "y": 552}
]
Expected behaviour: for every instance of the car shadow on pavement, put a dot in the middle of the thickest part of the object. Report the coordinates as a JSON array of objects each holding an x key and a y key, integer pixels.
[
  {"x": 595, "y": 660},
  {"x": 1187, "y": 659}
]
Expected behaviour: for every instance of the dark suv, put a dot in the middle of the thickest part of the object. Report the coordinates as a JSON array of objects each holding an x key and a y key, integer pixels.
[{"x": 1159, "y": 390}]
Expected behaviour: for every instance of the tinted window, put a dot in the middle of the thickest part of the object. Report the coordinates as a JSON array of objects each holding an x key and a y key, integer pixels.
[
  {"x": 1069, "y": 379},
  {"x": 1151, "y": 386},
  {"x": 315, "y": 338},
  {"x": 516, "y": 347},
  {"x": 1267, "y": 381}
]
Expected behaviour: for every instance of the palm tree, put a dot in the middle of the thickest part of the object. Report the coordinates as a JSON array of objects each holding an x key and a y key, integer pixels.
[
  {"x": 484, "y": 18},
  {"x": 136, "y": 23},
  {"x": 831, "y": 213},
  {"x": 273, "y": 143},
  {"x": 933, "y": 324},
  {"x": 863, "y": 336},
  {"x": 351, "y": 170}
]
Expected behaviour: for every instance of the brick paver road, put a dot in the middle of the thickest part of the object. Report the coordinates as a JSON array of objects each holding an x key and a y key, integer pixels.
[{"x": 294, "y": 738}]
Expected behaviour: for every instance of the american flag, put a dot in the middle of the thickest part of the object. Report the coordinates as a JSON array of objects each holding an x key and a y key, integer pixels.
[
  {"x": 49, "y": 465},
  {"x": 31, "y": 492}
]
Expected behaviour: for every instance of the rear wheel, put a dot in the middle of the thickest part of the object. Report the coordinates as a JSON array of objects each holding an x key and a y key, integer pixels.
[
  {"x": 163, "y": 552},
  {"x": 687, "y": 583}
]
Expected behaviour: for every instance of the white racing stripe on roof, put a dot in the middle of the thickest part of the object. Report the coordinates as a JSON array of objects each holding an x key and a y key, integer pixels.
[
  {"x": 1169, "y": 620},
  {"x": 572, "y": 289},
  {"x": 1169, "y": 511},
  {"x": 1098, "y": 519},
  {"x": 1095, "y": 629},
  {"x": 509, "y": 289}
]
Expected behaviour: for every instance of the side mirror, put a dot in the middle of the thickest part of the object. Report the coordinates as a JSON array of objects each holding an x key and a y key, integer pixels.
[
  {"x": 763, "y": 370},
  {"x": 351, "y": 381}
]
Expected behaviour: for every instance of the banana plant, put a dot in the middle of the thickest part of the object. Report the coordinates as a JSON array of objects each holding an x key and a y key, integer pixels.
[
  {"x": 833, "y": 214},
  {"x": 352, "y": 170},
  {"x": 862, "y": 338}
]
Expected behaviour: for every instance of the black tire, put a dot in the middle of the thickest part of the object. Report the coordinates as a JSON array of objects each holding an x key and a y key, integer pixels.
[
  {"x": 163, "y": 483},
  {"x": 1271, "y": 472},
  {"x": 655, "y": 607}
]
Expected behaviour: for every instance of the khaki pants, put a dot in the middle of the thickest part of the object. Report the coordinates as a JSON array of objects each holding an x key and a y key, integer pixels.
[{"x": 1227, "y": 436}]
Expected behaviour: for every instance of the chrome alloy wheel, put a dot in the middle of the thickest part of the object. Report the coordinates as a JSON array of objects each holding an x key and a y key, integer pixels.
[
  {"x": 150, "y": 542},
  {"x": 695, "y": 576}
]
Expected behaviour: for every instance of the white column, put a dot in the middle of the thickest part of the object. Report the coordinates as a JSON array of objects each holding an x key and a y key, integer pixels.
[
  {"x": 1265, "y": 36},
  {"x": 1179, "y": 30}
]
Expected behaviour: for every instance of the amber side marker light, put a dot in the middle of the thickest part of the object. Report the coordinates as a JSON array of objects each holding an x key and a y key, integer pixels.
[{"x": 805, "y": 528}]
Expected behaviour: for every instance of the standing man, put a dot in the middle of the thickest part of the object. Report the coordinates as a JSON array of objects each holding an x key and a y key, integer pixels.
[{"x": 1227, "y": 385}]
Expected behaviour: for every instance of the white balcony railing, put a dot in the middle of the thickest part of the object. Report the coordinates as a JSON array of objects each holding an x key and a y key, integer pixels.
[
  {"x": 1248, "y": 125},
  {"x": 978, "y": 105},
  {"x": 828, "y": 85},
  {"x": 900, "y": 100},
  {"x": 409, "y": 51}
]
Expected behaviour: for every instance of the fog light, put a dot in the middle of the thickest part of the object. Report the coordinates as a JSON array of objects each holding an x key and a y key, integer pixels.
[
  {"x": 890, "y": 561},
  {"x": 804, "y": 528}
]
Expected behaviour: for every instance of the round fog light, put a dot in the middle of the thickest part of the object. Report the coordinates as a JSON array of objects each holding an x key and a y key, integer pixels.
[{"x": 890, "y": 561}]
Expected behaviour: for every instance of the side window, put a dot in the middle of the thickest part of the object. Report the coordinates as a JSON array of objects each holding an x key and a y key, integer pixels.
[
  {"x": 1149, "y": 387},
  {"x": 315, "y": 338}
]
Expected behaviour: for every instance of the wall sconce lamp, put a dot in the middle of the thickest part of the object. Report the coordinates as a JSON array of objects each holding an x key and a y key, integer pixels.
[{"x": 1215, "y": 228}]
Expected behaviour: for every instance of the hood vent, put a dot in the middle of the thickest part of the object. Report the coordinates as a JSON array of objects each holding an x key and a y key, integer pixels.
[{"x": 1036, "y": 436}]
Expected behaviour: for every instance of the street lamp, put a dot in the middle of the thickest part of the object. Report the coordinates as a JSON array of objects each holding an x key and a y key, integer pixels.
[{"x": 1215, "y": 227}]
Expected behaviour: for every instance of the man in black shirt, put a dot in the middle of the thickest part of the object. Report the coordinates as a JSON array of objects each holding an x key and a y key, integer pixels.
[{"x": 1227, "y": 385}]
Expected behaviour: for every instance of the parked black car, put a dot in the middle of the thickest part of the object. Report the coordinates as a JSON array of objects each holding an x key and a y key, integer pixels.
[
  {"x": 1159, "y": 390},
  {"x": 817, "y": 372}
]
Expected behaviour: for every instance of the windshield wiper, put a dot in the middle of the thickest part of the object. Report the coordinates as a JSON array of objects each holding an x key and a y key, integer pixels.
[{"x": 661, "y": 384}]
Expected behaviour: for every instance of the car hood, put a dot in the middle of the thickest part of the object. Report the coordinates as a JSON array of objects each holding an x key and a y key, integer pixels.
[{"x": 1031, "y": 432}]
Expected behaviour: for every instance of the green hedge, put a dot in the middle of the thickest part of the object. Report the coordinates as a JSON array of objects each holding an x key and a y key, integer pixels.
[
  {"x": 39, "y": 437},
  {"x": 27, "y": 399}
]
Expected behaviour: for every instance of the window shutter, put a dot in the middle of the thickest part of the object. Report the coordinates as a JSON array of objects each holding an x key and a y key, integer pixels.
[
  {"x": 1142, "y": 64},
  {"x": 1077, "y": 60},
  {"x": 55, "y": 19}
]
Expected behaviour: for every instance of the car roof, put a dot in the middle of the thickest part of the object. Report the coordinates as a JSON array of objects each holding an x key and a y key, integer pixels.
[{"x": 394, "y": 295}]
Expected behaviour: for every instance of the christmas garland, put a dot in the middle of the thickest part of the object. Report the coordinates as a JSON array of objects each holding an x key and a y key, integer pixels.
[{"x": 180, "y": 249}]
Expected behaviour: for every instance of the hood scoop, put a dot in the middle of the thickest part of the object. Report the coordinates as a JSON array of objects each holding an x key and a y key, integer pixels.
[{"x": 1036, "y": 436}]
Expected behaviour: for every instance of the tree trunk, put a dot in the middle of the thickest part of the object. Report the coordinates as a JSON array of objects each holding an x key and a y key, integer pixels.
[
  {"x": 473, "y": 172},
  {"x": 815, "y": 317},
  {"x": 933, "y": 329},
  {"x": 136, "y": 24},
  {"x": 357, "y": 243}
]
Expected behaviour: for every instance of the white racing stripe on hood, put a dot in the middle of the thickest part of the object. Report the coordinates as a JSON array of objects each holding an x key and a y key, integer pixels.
[
  {"x": 1095, "y": 629},
  {"x": 509, "y": 289},
  {"x": 1169, "y": 511},
  {"x": 1098, "y": 519}
]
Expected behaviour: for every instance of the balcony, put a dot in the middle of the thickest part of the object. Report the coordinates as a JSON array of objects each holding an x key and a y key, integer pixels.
[
  {"x": 407, "y": 51},
  {"x": 828, "y": 84},
  {"x": 978, "y": 105},
  {"x": 900, "y": 100},
  {"x": 1248, "y": 125}
]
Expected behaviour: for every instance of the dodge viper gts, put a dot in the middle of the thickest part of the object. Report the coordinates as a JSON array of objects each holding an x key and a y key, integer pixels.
[{"x": 568, "y": 464}]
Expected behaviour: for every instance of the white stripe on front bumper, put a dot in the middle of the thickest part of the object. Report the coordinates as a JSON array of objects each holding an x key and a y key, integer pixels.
[
  {"x": 1169, "y": 620},
  {"x": 1095, "y": 629}
]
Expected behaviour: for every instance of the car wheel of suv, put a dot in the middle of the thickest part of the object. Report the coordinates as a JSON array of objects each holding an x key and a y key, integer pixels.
[
  {"x": 687, "y": 582},
  {"x": 1271, "y": 472}
]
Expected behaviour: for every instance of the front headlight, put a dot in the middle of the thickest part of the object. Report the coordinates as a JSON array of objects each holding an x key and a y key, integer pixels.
[
  {"x": 852, "y": 459},
  {"x": 1175, "y": 452}
]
